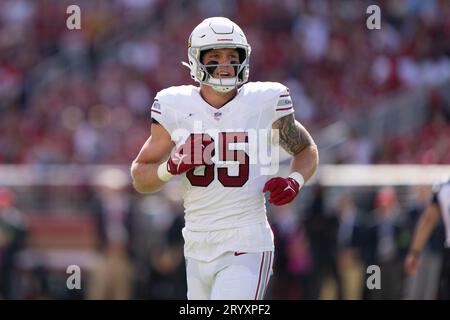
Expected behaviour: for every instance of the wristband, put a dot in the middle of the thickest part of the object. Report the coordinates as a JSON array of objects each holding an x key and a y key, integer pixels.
[
  {"x": 162, "y": 172},
  {"x": 297, "y": 177}
]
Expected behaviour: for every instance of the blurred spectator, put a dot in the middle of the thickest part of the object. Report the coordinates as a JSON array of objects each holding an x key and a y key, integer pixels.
[
  {"x": 293, "y": 261},
  {"x": 350, "y": 241},
  {"x": 425, "y": 145},
  {"x": 112, "y": 274},
  {"x": 13, "y": 231},
  {"x": 322, "y": 228},
  {"x": 387, "y": 244},
  {"x": 357, "y": 149},
  {"x": 167, "y": 265}
]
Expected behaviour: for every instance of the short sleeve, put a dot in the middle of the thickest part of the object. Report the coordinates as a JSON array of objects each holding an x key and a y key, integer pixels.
[
  {"x": 283, "y": 105},
  {"x": 161, "y": 113}
]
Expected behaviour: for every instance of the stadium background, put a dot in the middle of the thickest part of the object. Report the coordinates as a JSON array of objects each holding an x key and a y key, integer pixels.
[{"x": 74, "y": 112}]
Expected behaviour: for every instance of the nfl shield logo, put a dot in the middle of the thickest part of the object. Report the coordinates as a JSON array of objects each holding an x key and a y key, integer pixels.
[{"x": 217, "y": 115}]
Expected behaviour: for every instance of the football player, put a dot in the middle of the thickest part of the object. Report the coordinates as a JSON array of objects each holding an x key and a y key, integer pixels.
[
  {"x": 438, "y": 206},
  {"x": 206, "y": 135}
]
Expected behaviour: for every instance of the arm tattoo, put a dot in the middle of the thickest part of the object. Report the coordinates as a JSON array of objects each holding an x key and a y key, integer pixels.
[{"x": 293, "y": 136}]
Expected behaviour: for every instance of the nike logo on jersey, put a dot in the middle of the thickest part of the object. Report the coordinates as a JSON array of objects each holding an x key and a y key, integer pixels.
[{"x": 236, "y": 253}]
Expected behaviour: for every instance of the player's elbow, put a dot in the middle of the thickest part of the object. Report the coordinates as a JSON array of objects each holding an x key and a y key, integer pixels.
[
  {"x": 138, "y": 179},
  {"x": 137, "y": 184},
  {"x": 139, "y": 187},
  {"x": 144, "y": 187}
]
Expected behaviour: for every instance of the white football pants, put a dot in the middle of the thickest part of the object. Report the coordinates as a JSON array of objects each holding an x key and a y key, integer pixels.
[{"x": 231, "y": 276}]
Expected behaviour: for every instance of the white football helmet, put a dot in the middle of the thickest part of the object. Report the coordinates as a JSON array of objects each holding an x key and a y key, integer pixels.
[{"x": 217, "y": 33}]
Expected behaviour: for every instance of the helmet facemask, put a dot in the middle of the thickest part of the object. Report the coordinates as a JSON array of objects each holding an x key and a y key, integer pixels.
[{"x": 204, "y": 73}]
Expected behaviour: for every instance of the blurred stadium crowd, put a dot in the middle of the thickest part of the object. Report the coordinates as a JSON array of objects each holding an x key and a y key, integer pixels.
[
  {"x": 64, "y": 94},
  {"x": 83, "y": 97}
]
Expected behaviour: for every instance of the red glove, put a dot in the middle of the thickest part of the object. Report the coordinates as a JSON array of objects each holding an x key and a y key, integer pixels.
[
  {"x": 190, "y": 155},
  {"x": 282, "y": 190}
]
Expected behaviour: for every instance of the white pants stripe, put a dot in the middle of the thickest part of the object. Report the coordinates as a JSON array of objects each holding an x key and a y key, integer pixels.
[
  {"x": 264, "y": 272},
  {"x": 269, "y": 270}
]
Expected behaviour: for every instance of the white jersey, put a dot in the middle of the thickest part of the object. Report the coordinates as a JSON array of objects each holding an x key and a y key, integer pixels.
[
  {"x": 227, "y": 194},
  {"x": 441, "y": 197}
]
